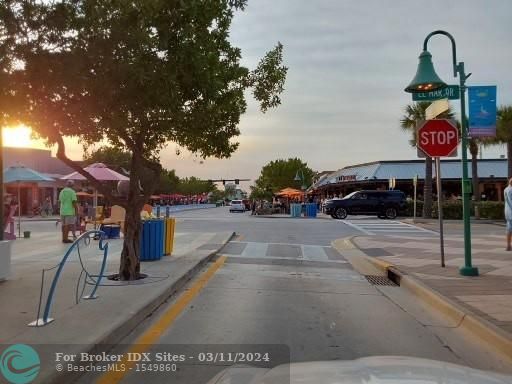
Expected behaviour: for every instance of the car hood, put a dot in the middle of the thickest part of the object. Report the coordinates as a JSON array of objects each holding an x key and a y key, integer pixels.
[{"x": 369, "y": 370}]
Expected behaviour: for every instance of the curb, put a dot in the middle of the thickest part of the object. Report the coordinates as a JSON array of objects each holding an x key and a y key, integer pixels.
[
  {"x": 289, "y": 217},
  {"x": 116, "y": 335},
  {"x": 488, "y": 333}
]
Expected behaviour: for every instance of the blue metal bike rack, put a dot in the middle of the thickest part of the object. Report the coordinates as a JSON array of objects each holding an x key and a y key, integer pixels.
[{"x": 86, "y": 236}]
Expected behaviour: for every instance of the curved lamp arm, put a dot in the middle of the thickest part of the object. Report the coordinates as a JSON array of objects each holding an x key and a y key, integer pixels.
[{"x": 454, "y": 47}]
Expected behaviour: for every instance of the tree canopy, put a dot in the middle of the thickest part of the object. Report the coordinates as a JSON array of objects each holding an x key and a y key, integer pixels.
[
  {"x": 279, "y": 174},
  {"x": 193, "y": 186},
  {"x": 135, "y": 75},
  {"x": 111, "y": 157}
]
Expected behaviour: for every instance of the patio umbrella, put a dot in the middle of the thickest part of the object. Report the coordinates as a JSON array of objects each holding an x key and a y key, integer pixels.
[
  {"x": 289, "y": 192},
  {"x": 18, "y": 174},
  {"x": 100, "y": 172}
]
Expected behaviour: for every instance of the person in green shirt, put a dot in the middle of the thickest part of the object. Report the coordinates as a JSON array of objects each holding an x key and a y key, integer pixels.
[{"x": 68, "y": 210}]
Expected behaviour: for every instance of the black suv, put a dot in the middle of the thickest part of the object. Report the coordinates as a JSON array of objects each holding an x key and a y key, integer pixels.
[{"x": 384, "y": 204}]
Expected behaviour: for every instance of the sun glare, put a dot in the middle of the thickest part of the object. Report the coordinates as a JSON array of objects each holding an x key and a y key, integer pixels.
[{"x": 18, "y": 136}]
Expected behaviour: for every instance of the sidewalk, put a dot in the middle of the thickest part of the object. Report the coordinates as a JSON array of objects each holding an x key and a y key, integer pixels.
[
  {"x": 487, "y": 297},
  {"x": 119, "y": 308}
]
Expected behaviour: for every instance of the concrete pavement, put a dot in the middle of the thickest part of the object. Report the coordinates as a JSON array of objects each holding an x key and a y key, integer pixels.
[
  {"x": 486, "y": 298},
  {"x": 281, "y": 283},
  {"x": 90, "y": 323}
]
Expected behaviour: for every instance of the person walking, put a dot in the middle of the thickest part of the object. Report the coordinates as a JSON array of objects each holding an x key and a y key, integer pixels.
[
  {"x": 508, "y": 213},
  {"x": 47, "y": 207},
  {"x": 68, "y": 210}
]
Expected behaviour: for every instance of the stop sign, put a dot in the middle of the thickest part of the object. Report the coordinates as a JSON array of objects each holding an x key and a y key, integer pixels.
[{"x": 438, "y": 137}]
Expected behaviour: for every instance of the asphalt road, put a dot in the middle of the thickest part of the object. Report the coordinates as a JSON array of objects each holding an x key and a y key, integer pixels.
[{"x": 282, "y": 288}]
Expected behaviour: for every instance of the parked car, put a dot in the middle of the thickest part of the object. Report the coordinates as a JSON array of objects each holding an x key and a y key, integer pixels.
[
  {"x": 237, "y": 206},
  {"x": 384, "y": 204}
]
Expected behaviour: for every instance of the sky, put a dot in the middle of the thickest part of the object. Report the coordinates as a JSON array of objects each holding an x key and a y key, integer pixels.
[{"x": 349, "y": 62}]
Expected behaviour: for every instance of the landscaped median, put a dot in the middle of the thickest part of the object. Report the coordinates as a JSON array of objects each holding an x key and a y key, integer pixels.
[{"x": 442, "y": 298}]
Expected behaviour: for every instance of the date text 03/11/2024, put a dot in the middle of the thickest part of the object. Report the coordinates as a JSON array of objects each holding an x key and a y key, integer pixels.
[{"x": 208, "y": 357}]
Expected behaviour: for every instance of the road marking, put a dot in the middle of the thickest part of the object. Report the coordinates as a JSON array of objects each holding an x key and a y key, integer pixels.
[
  {"x": 286, "y": 258},
  {"x": 153, "y": 334},
  {"x": 250, "y": 242},
  {"x": 355, "y": 227},
  {"x": 372, "y": 227}
]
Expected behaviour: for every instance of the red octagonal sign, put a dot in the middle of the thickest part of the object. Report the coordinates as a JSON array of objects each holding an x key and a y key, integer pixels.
[{"x": 438, "y": 137}]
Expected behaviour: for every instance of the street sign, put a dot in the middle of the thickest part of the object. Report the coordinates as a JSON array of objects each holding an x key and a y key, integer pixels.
[
  {"x": 482, "y": 111},
  {"x": 436, "y": 108},
  {"x": 451, "y": 92},
  {"x": 437, "y": 138}
]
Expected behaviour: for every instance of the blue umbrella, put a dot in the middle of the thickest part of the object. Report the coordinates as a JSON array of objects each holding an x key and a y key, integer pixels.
[{"x": 18, "y": 174}]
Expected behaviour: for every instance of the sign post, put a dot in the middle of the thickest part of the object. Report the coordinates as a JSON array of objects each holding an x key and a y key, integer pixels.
[
  {"x": 440, "y": 208},
  {"x": 438, "y": 137},
  {"x": 415, "y": 183}
]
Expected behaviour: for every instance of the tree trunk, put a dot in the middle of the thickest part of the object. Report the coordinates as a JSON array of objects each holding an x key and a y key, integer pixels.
[
  {"x": 129, "y": 268},
  {"x": 427, "y": 189},
  {"x": 509, "y": 158}
]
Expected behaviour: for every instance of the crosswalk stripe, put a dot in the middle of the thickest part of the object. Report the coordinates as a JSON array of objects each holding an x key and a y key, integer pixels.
[{"x": 387, "y": 227}]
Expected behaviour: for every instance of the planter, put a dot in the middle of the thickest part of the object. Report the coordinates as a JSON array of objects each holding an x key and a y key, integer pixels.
[
  {"x": 26, "y": 234},
  {"x": 5, "y": 259}
]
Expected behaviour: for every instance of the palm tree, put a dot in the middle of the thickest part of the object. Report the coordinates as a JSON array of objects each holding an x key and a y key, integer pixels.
[
  {"x": 414, "y": 113},
  {"x": 504, "y": 133}
]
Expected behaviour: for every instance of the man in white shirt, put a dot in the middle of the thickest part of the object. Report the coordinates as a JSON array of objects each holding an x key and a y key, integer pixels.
[{"x": 507, "y": 195}]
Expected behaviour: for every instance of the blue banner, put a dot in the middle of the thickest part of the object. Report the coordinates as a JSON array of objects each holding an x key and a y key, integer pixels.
[{"x": 482, "y": 111}]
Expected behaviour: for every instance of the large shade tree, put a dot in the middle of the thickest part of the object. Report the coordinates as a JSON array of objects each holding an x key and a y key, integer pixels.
[
  {"x": 281, "y": 173},
  {"x": 414, "y": 113},
  {"x": 132, "y": 74}
]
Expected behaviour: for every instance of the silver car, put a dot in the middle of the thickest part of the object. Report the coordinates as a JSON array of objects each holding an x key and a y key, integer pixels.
[{"x": 237, "y": 206}]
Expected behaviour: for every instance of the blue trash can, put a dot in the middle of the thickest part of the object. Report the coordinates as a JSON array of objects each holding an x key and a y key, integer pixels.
[
  {"x": 311, "y": 210},
  {"x": 295, "y": 210},
  {"x": 152, "y": 240}
]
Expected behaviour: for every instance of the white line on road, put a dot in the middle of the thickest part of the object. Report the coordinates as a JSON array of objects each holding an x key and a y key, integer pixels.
[{"x": 356, "y": 227}]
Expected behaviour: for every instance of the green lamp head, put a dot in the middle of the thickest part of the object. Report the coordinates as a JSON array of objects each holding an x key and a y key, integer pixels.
[{"x": 426, "y": 78}]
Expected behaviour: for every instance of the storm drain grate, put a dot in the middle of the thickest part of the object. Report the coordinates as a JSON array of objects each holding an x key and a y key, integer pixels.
[{"x": 379, "y": 280}]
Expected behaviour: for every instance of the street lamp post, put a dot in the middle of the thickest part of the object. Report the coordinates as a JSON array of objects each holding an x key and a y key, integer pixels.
[
  {"x": 426, "y": 80},
  {"x": 299, "y": 176}
]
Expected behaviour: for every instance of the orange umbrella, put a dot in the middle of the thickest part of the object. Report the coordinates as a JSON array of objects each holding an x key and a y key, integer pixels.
[{"x": 289, "y": 192}]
